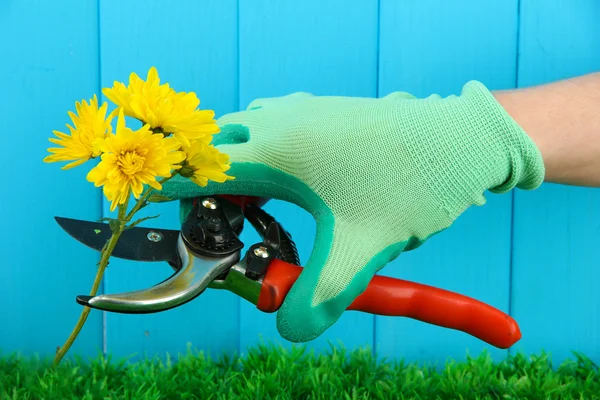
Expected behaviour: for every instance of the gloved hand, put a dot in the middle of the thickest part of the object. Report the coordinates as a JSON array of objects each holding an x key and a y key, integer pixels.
[{"x": 380, "y": 176}]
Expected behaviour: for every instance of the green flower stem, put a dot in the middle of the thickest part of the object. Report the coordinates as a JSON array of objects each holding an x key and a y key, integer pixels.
[
  {"x": 123, "y": 218},
  {"x": 142, "y": 201},
  {"x": 105, "y": 256}
]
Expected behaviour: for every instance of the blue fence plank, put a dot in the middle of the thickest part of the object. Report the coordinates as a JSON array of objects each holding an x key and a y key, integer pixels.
[
  {"x": 556, "y": 280},
  {"x": 433, "y": 47},
  {"x": 346, "y": 48},
  {"x": 194, "y": 47},
  {"x": 287, "y": 47},
  {"x": 48, "y": 66}
]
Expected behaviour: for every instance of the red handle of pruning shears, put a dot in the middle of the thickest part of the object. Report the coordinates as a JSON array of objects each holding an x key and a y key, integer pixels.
[
  {"x": 400, "y": 298},
  {"x": 396, "y": 297}
]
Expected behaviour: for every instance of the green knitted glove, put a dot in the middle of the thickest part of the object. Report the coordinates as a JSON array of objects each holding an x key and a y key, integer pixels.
[{"x": 380, "y": 176}]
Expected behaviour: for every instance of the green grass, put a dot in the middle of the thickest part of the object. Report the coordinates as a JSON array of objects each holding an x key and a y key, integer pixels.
[{"x": 268, "y": 372}]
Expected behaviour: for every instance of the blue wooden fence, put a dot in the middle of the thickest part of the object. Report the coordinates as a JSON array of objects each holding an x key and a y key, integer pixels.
[{"x": 530, "y": 253}]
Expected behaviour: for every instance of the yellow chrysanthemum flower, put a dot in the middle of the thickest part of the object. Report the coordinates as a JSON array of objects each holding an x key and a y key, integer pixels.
[
  {"x": 132, "y": 159},
  {"x": 165, "y": 110},
  {"x": 180, "y": 116},
  {"x": 91, "y": 126},
  {"x": 203, "y": 163}
]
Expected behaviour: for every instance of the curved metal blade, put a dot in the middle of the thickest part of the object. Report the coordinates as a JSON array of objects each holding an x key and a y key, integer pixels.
[
  {"x": 137, "y": 243},
  {"x": 191, "y": 280}
]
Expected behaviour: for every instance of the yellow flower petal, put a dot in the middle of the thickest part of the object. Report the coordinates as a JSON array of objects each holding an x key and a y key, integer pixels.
[
  {"x": 121, "y": 121},
  {"x": 164, "y": 109},
  {"x": 204, "y": 163},
  {"x": 152, "y": 77},
  {"x": 90, "y": 126},
  {"x": 134, "y": 159}
]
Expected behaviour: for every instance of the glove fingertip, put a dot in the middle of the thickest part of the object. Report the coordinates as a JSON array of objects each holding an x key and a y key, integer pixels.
[
  {"x": 266, "y": 102},
  {"x": 320, "y": 297},
  {"x": 298, "y": 320}
]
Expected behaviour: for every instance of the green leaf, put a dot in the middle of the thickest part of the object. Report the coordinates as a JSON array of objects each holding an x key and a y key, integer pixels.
[
  {"x": 139, "y": 221},
  {"x": 144, "y": 204},
  {"x": 157, "y": 198}
]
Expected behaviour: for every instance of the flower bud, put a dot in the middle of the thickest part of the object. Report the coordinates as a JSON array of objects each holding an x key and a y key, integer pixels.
[{"x": 186, "y": 171}]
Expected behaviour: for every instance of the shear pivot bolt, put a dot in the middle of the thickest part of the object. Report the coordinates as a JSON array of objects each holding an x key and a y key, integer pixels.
[
  {"x": 154, "y": 236},
  {"x": 209, "y": 203},
  {"x": 261, "y": 252},
  {"x": 214, "y": 224}
]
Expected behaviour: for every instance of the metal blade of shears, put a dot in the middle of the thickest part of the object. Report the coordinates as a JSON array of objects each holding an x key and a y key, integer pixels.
[
  {"x": 188, "y": 282},
  {"x": 137, "y": 243},
  {"x": 204, "y": 249}
]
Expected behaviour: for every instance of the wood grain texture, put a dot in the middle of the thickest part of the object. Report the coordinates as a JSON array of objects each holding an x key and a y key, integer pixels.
[
  {"x": 57, "y": 53},
  {"x": 327, "y": 48},
  {"x": 556, "y": 278},
  {"x": 193, "y": 45},
  {"x": 433, "y": 47},
  {"x": 47, "y": 67}
]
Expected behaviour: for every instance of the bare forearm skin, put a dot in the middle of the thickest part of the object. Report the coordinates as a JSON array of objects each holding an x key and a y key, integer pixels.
[{"x": 563, "y": 119}]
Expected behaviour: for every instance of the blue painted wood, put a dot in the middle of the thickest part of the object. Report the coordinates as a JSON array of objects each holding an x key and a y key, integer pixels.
[
  {"x": 556, "y": 280},
  {"x": 316, "y": 47},
  {"x": 194, "y": 47},
  {"x": 427, "y": 48},
  {"x": 47, "y": 67},
  {"x": 421, "y": 47}
]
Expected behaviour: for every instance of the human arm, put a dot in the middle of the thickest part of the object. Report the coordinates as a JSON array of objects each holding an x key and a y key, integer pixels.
[
  {"x": 563, "y": 119},
  {"x": 382, "y": 176}
]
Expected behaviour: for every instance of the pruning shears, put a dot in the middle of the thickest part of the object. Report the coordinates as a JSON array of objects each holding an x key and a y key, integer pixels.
[{"x": 207, "y": 253}]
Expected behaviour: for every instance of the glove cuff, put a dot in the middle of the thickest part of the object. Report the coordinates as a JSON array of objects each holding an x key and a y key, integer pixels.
[
  {"x": 524, "y": 168},
  {"x": 483, "y": 148}
]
